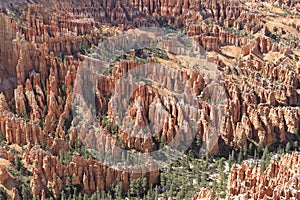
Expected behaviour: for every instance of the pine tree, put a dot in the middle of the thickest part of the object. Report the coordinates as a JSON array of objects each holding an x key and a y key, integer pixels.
[
  {"x": 150, "y": 193},
  {"x": 259, "y": 148},
  {"x": 255, "y": 155},
  {"x": 232, "y": 158},
  {"x": 1, "y": 136},
  {"x": 94, "y": 196},
  {"x": 18, "y": 163},
  {"x": 266, "y": 153},
  {"x": 74, "y": 193},
  {"x": 230, "y": 161},
  {"x": 128, "y": 195},
  {"x": 198, "y": 140},
  {"x": 134, "y": 190},
  {"x": 221, "y": 165},
  {"x": 61, "y": 157},
  {"x": 263, "y": 165},
  {"x": 25, "y": 192},
  {"x": 62, "y": 196},
  {"x": 3, "y": 193},
  {"x": 207, "y": 156},
  {"x": 265, "y": 158},
  {"x": 233, "y": 154},
  {"x": 240, "y": 158},
  {"x": 250, "y": 150},
  {"x": 156, "y": 191},
  {"x": 206, "y": 164},
  {"x": 180, "y": 195},
  {"x": 109, "y": 196},
  {"x": 103, "y": 195},
  {"x": 144, "y": 183},
  {"x": 170, "y": 192},
  {"x": 85, "y": 197},
  {"x": 119, "y": 189},
  {"x": 162, "y": 142},
  {"x": 245, "y": 153},
  {"x": 280, "y": 151},
  {"x": 80, "y": 196},
  {"x": 288, "y": 147},
  {"x": 68, "y": 186},
  {"x": 163, "y": 179},
  {"x": 296, "y": 145}
]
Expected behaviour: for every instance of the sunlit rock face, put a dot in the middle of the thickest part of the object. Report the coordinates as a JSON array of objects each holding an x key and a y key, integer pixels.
[
  {"x": 9, "y": 56},
  {"x": 280, "y": 179},
  {"x": 44, "y": 45}
]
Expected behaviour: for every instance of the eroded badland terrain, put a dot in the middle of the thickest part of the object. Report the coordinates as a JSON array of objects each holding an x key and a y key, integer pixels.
[{"x": 51, "y": 50}]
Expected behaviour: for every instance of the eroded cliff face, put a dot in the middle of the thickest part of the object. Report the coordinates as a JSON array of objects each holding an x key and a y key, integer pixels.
[
  {"x": 280, "y": 179},
  {"x": 42, "y": 48},
  {"x": 9, "y": 56},
  {"x": 48, "y": 172}
]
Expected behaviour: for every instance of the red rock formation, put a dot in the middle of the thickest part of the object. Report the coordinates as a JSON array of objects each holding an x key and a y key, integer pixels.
[
  {"x": 8, "y": 57},
  {"x": 91, "y": 174},
  {"x": 279, "y": 180},
  {"x": 41, "y": 53},
  {"x": 7, "y": 155},
  {"x": 4, "y": 175},
  {"x": 203, "y": 194}
]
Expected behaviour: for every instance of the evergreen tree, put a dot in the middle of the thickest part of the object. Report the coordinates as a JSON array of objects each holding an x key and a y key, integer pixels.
[
  {"x": 119, "y": 189},
  {"x": 103, "y": 195},
  {"x": 240, "y": 158},
  {"x": 250, "y": 150},
  {"x": 1, "y": 136},
  {"x": 109, "y": 196},
  {"x": 134, "y": 188},
  {"x": 18, "y": 163},
  {"x": 94, "y": 196},
  {"x": 170, "y": 192},
  {"x": 263, "y": 165},
  {"x": 85, "y": 197},
  {"x": 180, "y": 195},
  {"x": 255, "y": 155},
  {"x": 62, "y": 196},
  {"x": 198, "y": 140},
  {"x": 3, "y": 194},
  {"x": 288, "y": 147},
  {"x": 207, "y": 156},
  {"x": 206, "y": 164},
  {"x": 265, "y": 158},
  {"x": 144, "y": 183},
  {"x": 150, "y": 193},
  {"x": 163, "y": 179},
  {"x": 221, "y": 165},
  {"x": 265, "y": 154},
  {"x": 128, "y": 195},
  {"x": 68, "y": 186},
  {"x": 233, "y": 155},
  {"x": 296, "y": 145},
  {"x": 74, "y": 193},
  {"x": 245, "y": 153},
  {"x": 26, "y": 192},
  {"x": 80, "y": 196},
  {"x": 61, "y": 157},
  {"x": 223, "y": 179},
  {"x": 162, "y": 142},
  {"x": 230, "y": 161},
  {"x": 259, "y": 148}
]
